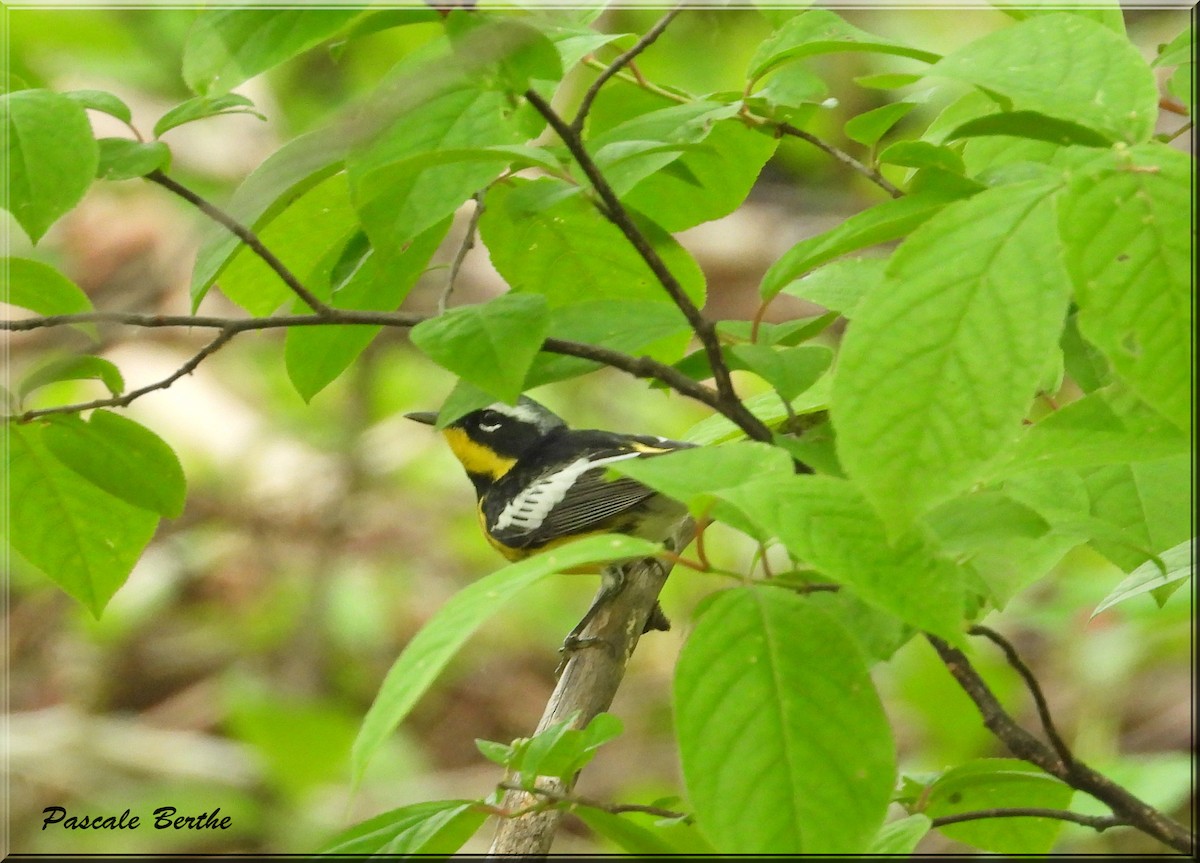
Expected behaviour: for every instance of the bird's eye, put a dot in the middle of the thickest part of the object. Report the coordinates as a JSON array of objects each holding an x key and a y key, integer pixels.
[{"x": 489, "y": 421}]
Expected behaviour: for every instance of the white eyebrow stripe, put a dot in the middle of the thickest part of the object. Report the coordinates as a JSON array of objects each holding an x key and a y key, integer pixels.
[{"x": 530, "y": 508}]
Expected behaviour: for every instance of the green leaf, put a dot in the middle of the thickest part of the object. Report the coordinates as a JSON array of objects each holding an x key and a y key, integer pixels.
[
  {"x": 125, "y": 159},
  {"x": 693, "y": 476},
  {"x": 819, "y": 31},
  {"x": 40, "y": 288},
  {"x": 423, "y": 658},
  {"x": 941, "y": 363},
  {"x": 312, "y": 227},
  {"x": 1150, "y": 577},
  {"x": 82, "y": 538},
  {"x": 74, "y": 368},
  {"x": 316, "y": 356},
  {"x": 287, "y": 174},
  {"x": 624, "y": 833},
  {"x": 1010, "y": 544},
  {"x": 790, "y": 371},
  {"x": 203, "y": 107},
  {"x": 49, "y": 154},
  {"x": 440, "y": 826},
  {"x": 1177, "y": 51},
  {"x": 104, "y": 102},
  {"x": 767, "y": 407},
  {"x": 774, "y": 708},
  {"x": 561, "y": 750},
  {"x": 1033, "y": 125},
  {"x": 867, "y": 128},
  {"x": 900, "y": 838},
  {"x": 789, "y": 93},
  {"x": 1102, "y": 82},
  {"x": 1101, "y": 428},
  {"x": 1147, "y": 501},
  {"x": 510, "y": 54},
  {"x": 1128, "y": 241},
  {"x": 840, "y": 285},
  {"x": 399, "y": 196},
  {"x": 826, "y": 523},
  {"x": 566, "y": 251},
  {"x": 228, "y": 46},
  {"x": 124, "y": 458},
  {"x": 880, "y": 224},
  {"x": 1106, "y": 12},
  {"x": 999, "y": 783},
  {"x": 922, "y": 154},
  {"x": 491, "y": 344},
  {"x": 654, "y": 328}
]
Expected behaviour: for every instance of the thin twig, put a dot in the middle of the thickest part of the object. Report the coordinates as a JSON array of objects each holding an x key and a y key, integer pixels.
[
  {"x": 1035, "y": 689},
  {"x": 842, "y": 156},
  {"x": 639, "y": 367},
  {"x": 125, "y": 400},
  {"x": 468, "y": 243},
  {"x": 1078, "y": 775},
  {"x": 729, "y": 404},
  {"x": 1099, "y": 823},
  {"x": 611, "y": 808},
  {"x": 617, "y": 65},
  {"x": 244, "y": 234}
]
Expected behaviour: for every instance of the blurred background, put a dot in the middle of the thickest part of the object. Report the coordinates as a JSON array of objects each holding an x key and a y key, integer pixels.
[{"x": 233, "y": 668}]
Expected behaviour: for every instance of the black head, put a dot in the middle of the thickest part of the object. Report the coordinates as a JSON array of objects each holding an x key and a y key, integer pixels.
[{"x": 489, "y": 440}]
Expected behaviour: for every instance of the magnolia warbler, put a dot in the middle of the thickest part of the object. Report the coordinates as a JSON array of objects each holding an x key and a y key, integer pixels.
[{"x": 540, "y": 484}]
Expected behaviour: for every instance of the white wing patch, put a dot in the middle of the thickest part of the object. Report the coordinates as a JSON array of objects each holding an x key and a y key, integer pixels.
[{"x": 530, "y": 508}]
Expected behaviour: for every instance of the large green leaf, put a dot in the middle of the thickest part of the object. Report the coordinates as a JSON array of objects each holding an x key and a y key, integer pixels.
[
  {"x": 491, "y": 344},
  {"x": 825, "y": 523},
  {"x": 80, "y": 536},
  {"x": 1066, "y": 66},
  {"x": 73, "y": 368},
  {"x": 40, "y": 288},
  {"x": 227, "y": 46},
  {"x": 397, "y": 193},
  {"x": 840, "y": 285},
  {"x": 941, "y": 362},
  {"x": 315, "y": 356},
  {"x": 122, "y": 457},
  {"x": 999, "y": 783},
  {"x": 49, "y": 154},
  {"x": 1148, "y": 501},
  {"x": 415, "y": 670},
  {"x": 880, "y": 224},
  {"x": 287, "y": 174},
  {"x": 1128, "y": 237},
  {"x": 312, "y": 226},
  {"x": 544, "y": 239},
  {"x": 1104, "y": 427},
  {"x": 437, "y": 827},
  {"x": 819, "y": 31},
  {"x": 774, "y": 708}
]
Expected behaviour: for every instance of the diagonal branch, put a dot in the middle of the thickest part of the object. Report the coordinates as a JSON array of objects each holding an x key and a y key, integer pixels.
[
  {"x": 842, "y": 156},
  {"x": 585, "y": 105},
  {"x": 1124, "y": 805},
  {"x": 1035, "y": 689},
  {"x": 245, "y": 235},
  {"x": 616, "y": 213},
  {"x": 467, "y": 244},
  {"x": 1099, "y": 823},
  {"x": 223, "y": 338}
]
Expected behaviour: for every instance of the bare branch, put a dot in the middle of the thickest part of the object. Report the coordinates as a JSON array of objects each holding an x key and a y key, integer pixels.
[
  {"x": 842, "y": 156},
  {"x": 468, "y": 243},
  {"x": 1124, "y": 805},
  {"x": 640, "y": 367},
  {"x": 729, "y": 404},
  {"x": 1100, "y": 823},
  {"x": 245, "y": 235},
  {"x": 124, "y": 401},
  {"x": 1035, "y": 689},
  {"x": 612, "y": 808},
  {"x": 617, "y": 65},
  {"x": 586, "y": 687}
]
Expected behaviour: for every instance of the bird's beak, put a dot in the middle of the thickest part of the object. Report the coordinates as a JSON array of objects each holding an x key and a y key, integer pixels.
[{"x": 426, "y": 417}]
